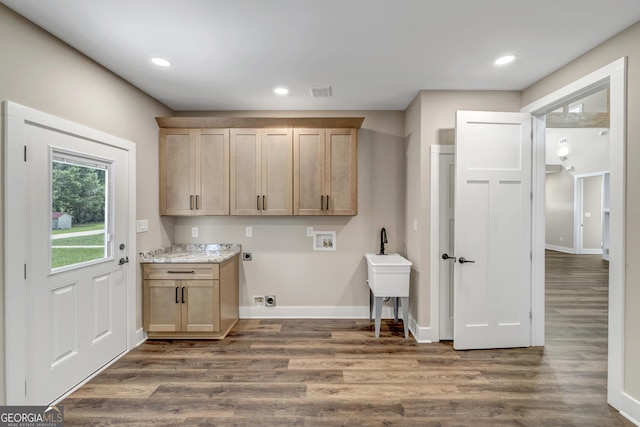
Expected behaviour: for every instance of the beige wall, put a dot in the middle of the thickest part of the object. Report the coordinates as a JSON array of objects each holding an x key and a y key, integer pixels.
[
  {"x": 284, "y": 263},
  {"x": 435, "y": 126},
  {"x": 559, "y": 210},
  {"x": 627, "y": 43},
  {"x": 39, "y": 71}
]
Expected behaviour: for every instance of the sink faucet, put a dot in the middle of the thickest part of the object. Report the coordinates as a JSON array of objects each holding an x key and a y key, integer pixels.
[{"x": 383, "y": 240}]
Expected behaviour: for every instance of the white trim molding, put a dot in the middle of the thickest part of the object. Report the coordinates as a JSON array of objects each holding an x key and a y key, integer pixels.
[{"x": 612, "y": 76}]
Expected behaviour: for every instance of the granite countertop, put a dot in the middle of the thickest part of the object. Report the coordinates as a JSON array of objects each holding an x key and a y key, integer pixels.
[{"x": 191, "y": 253}]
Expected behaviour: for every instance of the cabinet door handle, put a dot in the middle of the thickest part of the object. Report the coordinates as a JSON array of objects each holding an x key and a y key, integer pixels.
[
  {"x": 258, "y": 203},
  {"x": 197, "y": 200},
  {"x": 183, "y": 294},
  {"x": 327, "y": 202},
  {"x": 177, "y": 301},
  {"x": 181, "y": 271},
  {"x": 263, "y": 208},
  {"x": 191, "y": 202},
  {"x": 321, "y": 203}
]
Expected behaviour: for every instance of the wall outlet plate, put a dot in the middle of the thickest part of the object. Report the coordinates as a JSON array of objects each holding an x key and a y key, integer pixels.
[
  {"x": 248, "y": 231},
  {"x": 258, "y": 301},
  {"x": 246, "y": 256},
  {"x": 194, "y": 231},
  {"x": 309, "y": 231},
  {"x": 270, "y": 301},
  {"x": 142, "y": 225}
]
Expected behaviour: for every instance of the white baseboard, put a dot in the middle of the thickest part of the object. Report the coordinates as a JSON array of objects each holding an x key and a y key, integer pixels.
[
  {"x": 139, "y": 337},
  {"x": 314, "y": 312},
  {"x": 423, "y": 335},
  {"x": 592, "y": 251},
  {"x": 560, "y": 249},
  {"x": 630, "y": 409}
]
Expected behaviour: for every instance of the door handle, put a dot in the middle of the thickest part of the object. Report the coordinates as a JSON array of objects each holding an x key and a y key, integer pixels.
[
  {"x": 446, "y": 256},
  {"x": 463, "y": 261},
  {"x": 123, "y": 260}
]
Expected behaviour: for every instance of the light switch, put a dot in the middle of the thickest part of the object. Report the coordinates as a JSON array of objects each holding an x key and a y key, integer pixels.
[
  {"x": 142, "y": 225},
  {"x": 309, "y": 231},
  {"x": 248, "y": 231},
  {"x": 194, "y": 231},
  {"x": 587, "y": 214}
]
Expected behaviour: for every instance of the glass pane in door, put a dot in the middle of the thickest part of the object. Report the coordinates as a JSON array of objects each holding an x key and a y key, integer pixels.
[{"x": 79, "y": 211}]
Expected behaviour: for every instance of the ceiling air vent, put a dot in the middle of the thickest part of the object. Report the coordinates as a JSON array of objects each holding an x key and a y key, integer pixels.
[{"x": 317, "y": 92}]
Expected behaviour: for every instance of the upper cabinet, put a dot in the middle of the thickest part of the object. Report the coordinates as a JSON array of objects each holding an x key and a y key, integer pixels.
[
  {"x": 258, "y": 166},
  {"x": 261, "y": 172},
  {"x": 194, "y": 171},
  {"x": 325, "y": 172}
]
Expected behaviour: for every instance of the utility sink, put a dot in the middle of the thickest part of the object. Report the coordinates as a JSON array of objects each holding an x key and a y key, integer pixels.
[{"x": 388, "y": 275}]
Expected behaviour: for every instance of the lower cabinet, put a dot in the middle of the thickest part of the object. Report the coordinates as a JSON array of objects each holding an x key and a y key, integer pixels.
[{"x": 190, "y": 300}]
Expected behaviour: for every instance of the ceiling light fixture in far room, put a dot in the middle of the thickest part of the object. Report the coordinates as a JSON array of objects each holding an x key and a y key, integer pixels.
[
  {"x": 161, "y": 62},
  {"x": 504, "y": 60},
  {"x": 281, "y": 91}
]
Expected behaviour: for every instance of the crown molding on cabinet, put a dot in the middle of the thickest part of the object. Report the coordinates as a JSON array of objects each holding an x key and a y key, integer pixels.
[{"x": 260, "y": 122}]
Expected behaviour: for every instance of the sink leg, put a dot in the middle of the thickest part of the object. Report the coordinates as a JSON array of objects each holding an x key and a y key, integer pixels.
[
  {"x": 405, "y": 315},
  {"x": 395, "y": 309},
  {"x": 370, "y": 305},
  {"x": 378, "y": 306}
]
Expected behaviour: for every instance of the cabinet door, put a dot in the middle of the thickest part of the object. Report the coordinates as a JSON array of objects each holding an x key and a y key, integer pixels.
[
  {"x": 308, "y": 171},
  {"x": 177, "y": 174},
  {"x": 201, "y": 308},
  {"x": 341, "y": 179},
  {"x": 277, "y": 172},
  {"x": 212, "y": 172},
  {"x": 245, "y": 180},
  {"x": 162, "y": 305}
]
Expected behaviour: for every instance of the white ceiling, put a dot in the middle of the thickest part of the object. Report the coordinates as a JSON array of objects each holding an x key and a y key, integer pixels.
[{"x": 375, "y": 54}]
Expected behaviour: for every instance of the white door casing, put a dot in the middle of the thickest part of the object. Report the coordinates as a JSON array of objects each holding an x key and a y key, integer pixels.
[
  {"x": 446, "y": 238},
  {"x": 62, "y": 326},
  {"x": 493, "y": 230}
]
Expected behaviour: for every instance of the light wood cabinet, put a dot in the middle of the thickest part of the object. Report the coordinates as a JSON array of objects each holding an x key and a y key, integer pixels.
[
  {"x": 261, "y": 172},
  {"x": 194, "y": 171},
  {"x": 190, "y": 300},
  {"x": 325, "y": 172}
]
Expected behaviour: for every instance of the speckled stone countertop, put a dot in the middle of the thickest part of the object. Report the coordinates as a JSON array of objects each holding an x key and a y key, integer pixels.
[{"x": 191, "y": 253}]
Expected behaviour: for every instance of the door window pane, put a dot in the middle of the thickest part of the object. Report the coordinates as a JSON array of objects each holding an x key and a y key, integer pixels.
[{"x": 79, "y": 211}]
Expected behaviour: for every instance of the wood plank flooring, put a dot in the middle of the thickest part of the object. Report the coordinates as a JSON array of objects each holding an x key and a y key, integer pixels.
[{"x": 335, "y": 373}]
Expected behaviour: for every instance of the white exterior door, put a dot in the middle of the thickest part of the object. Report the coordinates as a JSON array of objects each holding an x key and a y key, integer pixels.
[
  {"x": 492, "y": 274},
  {"x": 76, "y": 284}
]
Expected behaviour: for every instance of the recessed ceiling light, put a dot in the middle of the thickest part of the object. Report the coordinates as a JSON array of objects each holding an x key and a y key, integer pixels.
[
  {"x": 161, "y": 62},
  {"x": 281, "y": 91},
  {"x": 504, "y": 60}
]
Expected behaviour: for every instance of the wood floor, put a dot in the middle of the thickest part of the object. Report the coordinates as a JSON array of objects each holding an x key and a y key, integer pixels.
[{"x": 334, "y": 373}]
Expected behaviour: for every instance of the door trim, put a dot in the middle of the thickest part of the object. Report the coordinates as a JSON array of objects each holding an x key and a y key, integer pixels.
[
  {"x": 613, "y": 75},
  {"x": 434, "y": 230},
  {"x": 16, "y": 117}
]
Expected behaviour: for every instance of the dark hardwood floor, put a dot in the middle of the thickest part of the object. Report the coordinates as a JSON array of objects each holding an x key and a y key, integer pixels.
[{"x": 335, "y": 373}]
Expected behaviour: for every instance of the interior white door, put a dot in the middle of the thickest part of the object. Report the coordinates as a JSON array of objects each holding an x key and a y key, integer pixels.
[
  {"x": 76, "y": 315},
  {"x": 492, "y": 276},
  {"x": 446, "y": 215}
]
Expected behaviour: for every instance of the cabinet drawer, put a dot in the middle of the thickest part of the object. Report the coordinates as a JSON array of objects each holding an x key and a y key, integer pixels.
[{"x": 180, "y": 271}]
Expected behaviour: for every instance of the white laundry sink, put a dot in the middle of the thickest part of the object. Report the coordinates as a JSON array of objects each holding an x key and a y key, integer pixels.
[{"x": 388, "y": 275}]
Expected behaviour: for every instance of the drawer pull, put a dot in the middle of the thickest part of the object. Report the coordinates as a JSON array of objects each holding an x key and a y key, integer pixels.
[
  {"x": 181, "y": 272},
  {"x": 177, "y": 301},
  {"x": 183, "y": 294}
]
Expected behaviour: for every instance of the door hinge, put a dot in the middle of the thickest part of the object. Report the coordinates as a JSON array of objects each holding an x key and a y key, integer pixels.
[
  {"x": 531, "y": 256},
  {"x": 530, "y": 315},
  {"x": 531, "y": 195},
  {"x": 25, "y": 153},
  {"x": 25, "y": 388},
  {"x": 25, "y": 272}
]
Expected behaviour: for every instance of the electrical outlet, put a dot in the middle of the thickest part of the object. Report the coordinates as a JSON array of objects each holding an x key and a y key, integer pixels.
[
  {"x": 258, "y": 301},
  {"x": 309, "y": 231},
  {"x": 270, "y": 301},
  {"x": 248, "y": 231},
  {"x": 194, "y": 231}
]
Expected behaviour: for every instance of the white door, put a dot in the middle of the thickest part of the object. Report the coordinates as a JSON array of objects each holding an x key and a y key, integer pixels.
[
  {"x": 446, "y": 195},
  {"x": 492, "y": 230},
  {"x": 75, "y": 282}
]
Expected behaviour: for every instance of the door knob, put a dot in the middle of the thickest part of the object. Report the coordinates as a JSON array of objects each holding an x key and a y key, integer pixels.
[
  {"x": 446, "y": 256},
  {"x": 462, "y": 260},
  {"x": 123, "y": 260}
]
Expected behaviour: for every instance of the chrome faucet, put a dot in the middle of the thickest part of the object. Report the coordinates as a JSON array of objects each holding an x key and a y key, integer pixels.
[{"x": 383, "y": 240}]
